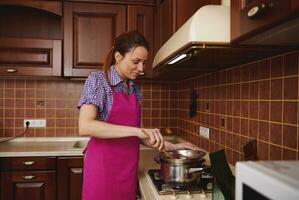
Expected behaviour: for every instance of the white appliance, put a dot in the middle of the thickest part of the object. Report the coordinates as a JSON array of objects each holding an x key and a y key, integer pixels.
[
  {"x": 203, "y": 44},
  {"x": 275, "y": 180},
  {"x": 209, "y": 25}
]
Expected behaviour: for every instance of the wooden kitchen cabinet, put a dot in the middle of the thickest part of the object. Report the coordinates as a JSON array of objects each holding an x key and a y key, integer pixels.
[
  {"x": 31, "y": 178},
  {"x": 89, "y": 31},
  {"x": 141, "y": 18},
  {"x": 172, "y": 14},
  {"x": 69, "y": 178},
  {"x": 30, "y": 41},
  {"x": 250, "y": 17},
  {"x": 34, "y": 57},
  {"x": 164, "y": 22}
]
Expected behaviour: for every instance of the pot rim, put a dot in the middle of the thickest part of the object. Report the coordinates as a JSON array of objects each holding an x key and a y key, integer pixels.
[{"x": 183, "y": 159}]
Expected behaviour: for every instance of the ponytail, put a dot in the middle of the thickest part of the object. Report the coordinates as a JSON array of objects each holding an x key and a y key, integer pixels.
[{"x": 108, "y": 62}]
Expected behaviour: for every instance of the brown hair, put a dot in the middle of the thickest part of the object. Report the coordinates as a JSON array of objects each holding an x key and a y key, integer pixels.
[{"x": 123, "y": 44}]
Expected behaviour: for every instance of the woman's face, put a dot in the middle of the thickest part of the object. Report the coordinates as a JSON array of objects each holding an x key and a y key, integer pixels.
[{"x": 132, "y": 64}]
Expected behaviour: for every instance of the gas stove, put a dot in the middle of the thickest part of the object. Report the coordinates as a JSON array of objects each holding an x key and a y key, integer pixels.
[{"x": 201, "y": 187}]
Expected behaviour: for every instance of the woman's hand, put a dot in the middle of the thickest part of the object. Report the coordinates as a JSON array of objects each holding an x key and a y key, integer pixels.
[
  {"x": 153, "y": 136},
  {"x": 184, "y": 145}
]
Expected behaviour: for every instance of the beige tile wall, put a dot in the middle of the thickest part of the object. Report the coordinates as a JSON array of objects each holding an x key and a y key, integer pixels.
[{"x": 256, "y": 100}]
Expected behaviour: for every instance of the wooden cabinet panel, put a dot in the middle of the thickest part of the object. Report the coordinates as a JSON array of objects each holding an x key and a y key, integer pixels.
[
  {"x": 165, "y": 21},
  {"x": 76, "y": 183},
  {"x": 89, "y": 31},
  {"x": 69, "y": 178},
  {"x": 20, "y": 56},
  {"x": 172, "y": 14},
  {"x": 53, "y": 6},
  {"x": 271, "y": 12},
  {"x": 28, "y": 163},
  {"x": 28, "y": 22},
  {"x": 31, "y": 185},
  {"x": 141, "y": 18}
]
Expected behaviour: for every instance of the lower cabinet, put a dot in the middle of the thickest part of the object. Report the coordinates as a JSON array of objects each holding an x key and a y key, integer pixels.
[
  {"x": 31, "y": 178},
  {"x": 41, "y": 178},
  {"x": 31, "y": 185},
  {"x": 69, "y": 178}
]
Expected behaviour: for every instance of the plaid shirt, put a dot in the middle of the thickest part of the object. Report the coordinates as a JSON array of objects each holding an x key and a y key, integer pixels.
[{"x": 97, "y": 91}]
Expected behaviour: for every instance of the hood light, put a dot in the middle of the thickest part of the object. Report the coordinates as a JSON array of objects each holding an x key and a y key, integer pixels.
[{"x": 177, "y": 59}]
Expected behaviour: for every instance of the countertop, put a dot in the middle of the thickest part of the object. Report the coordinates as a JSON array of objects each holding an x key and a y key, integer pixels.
[
  {"x": 43, "y": 146},
  {"x": 46, "y": 146},
  {"x": 73, "y": 146}
]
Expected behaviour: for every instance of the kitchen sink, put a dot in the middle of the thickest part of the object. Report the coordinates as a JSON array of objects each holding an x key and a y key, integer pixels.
[{"x": 80, "y": 144}]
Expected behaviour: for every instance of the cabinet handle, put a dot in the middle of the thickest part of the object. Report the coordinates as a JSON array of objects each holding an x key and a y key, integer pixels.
[
  {"x": 11, "y": 70},
  {"x": 28, "y": 163},
  {"x": 29, "y": 177}
]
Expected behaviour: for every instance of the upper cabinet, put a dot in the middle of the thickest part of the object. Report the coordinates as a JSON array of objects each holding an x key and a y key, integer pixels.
[
  {"x": 172, "y": 14},
  {"x": 141, "y": 18},
  {"x": 30, "y": 38},
  {"x": 89, "y": 31},
  {"x": 249, "y": 18}
]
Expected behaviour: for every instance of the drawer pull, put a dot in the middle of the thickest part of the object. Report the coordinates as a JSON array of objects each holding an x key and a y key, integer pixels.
[
  {"x": 10, "y": 70},
  {"x": 28, "y": 163},
  {"x": 29, "y": 177}
]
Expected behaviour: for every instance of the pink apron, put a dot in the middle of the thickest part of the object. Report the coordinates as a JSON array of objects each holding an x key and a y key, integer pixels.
[{"x": 110, "y": 165}]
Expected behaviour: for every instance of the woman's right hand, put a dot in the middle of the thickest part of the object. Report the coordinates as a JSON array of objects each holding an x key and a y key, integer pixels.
[{"x": 154, "y": 137}]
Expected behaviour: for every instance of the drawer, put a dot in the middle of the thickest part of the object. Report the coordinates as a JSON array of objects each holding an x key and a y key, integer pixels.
[
  {"x": 28, "y": 185},
  {"x": 28, "y": 163}
]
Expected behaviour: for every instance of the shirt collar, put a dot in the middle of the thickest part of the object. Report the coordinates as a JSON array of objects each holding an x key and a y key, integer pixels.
[{"x": 116, "y": 79}]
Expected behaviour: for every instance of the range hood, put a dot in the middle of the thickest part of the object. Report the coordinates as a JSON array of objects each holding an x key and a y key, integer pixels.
[{"x": 203, "y": 45}]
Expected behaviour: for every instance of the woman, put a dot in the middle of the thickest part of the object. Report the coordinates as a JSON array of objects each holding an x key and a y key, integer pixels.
[{"x": 110, "y": 114}]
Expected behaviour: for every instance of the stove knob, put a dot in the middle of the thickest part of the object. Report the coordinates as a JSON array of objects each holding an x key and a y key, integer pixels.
[
  {"x": 189, "y": 195},
  {"x": 174, "y": 196},
  {"x": 203, "y": 195}
]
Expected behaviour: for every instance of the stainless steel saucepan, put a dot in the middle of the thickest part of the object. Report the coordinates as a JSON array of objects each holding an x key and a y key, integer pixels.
[{"x": 184, "y": 166}]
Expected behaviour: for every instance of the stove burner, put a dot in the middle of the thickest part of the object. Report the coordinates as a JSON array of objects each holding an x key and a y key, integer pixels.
[
  {"x": 172, "y": 187},
  {"x": 169, "y": 188}
]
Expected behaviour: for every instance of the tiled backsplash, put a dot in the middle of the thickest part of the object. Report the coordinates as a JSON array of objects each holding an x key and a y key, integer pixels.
[
  {"x": 256, "y": 100},
  {"x": 56, "y": 101}
]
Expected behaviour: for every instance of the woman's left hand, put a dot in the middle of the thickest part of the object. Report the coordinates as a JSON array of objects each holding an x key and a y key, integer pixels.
[{"x": 183, "y": 145}]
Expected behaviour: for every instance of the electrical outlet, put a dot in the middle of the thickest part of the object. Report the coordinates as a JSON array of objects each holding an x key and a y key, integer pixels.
[
  {"x": 35, "y": 122},
  {"x": 204, "y": 132}
]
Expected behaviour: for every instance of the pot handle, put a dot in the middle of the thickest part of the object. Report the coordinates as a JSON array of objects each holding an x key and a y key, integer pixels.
[
  {"x": 157, "y": 159},
  {"x": 192, "y": 170}
]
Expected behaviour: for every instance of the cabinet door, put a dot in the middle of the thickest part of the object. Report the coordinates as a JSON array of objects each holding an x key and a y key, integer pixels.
[
  {"x": 264, "y": 14},
  {"x": 69, "y": 178},
  {"x": 20, "y": 56},
  {"x": 89, "y": 32},
  {"x": 31, "y": 185},
  {"x": 165, "y": 21},
  {"x": 172, "y": 14},
  {"x": 141, "y": 18}
]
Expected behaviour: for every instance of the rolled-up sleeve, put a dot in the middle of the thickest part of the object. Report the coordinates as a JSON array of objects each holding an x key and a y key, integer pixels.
[{"x": 93, "y": 92}]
